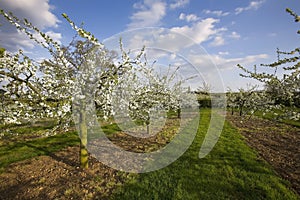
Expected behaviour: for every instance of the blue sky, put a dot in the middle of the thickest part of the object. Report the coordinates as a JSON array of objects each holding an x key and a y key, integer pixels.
[{"x": 232, "y": 32}]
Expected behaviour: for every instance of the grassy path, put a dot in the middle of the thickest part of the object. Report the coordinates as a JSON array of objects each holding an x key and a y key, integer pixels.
[{"x": 231, "y": 171}]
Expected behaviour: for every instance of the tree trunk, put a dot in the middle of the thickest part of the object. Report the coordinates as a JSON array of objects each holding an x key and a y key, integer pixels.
[
  {"x": 241, "y": 110},
  {"x": 148, "y": 129},
  {"x": 148, "y": 124},
  {"x": 178, "y": 113},
  {"x": 83, "y": 141}
]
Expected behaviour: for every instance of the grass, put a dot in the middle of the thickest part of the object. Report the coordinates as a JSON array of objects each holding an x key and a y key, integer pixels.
[
  {"x": 272, "y": 116},
  {"x": 43, "y": 146},
  {"x": 10, "y": 133},
  {"x": 110, "y": 129},
  {"x": 231, "y": 171}
]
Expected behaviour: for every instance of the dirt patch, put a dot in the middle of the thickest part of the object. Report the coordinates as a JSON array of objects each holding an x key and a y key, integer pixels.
[
  {"x": 58, "y": 176},
  {"x": 277, "y": 143}
]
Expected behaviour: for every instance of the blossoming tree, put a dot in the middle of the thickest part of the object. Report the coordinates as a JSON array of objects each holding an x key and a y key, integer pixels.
[
  {"x": 283, "y": 89},
  {"x": 46, "y": 89},
  {"x": 77, "y": 77}
]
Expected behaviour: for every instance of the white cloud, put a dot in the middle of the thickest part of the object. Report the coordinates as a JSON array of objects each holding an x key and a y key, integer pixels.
[
  {"x": 212, "y": 67},
  {"x": 150, "y": 13},
  {"x": 188, "y": 18},
  {"x": 169, "y": 46},
  {"x": 231, "y": 63},
  {"x": 174, "y": 39},
  {"x": 235, "y": 35},
  {"x": 218, "y": 41},
  {"x": 229, "y": 71},
  {"x": 200, "y": 31},
  {"x": 179, "y": 4},
  {"x": 253, "y": 5},
  {"x": 55, "y": 36},
  {"x": 218, "y": 13},
  {"x": 38, "y": 12},
  {"x": 19, "y": 40},
  {"x": 225, "y": 63},
  {"x": 272, "y": 34},
  {"x": 223, "y": 53},
  {"x": 15, "y": 40}
]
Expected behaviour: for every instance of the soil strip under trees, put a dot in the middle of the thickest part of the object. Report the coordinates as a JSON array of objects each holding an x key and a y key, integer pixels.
[
  {"x": 58, "y": 175},
  {"x": 277, "y": 143}
]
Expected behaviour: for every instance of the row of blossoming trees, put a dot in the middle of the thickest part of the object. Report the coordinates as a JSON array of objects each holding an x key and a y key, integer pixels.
[
  {"x": 85, "y": 69},
  {"x": 281, "y": 88},
  {"x": 75, "y": 74}
]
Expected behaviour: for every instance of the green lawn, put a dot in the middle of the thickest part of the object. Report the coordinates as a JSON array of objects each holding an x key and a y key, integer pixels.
[{"x": 231, "y": 171}]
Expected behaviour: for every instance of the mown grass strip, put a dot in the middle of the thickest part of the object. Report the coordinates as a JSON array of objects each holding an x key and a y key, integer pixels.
[{"x": 231, "y": 171}]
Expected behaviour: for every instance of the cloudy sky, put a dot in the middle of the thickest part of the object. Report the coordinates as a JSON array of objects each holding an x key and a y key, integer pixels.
[{"x": 228, "y": 32}]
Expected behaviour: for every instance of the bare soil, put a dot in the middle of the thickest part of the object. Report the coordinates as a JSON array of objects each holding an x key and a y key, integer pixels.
[
  {"x": 58, "y": 176},
  {"x": 277, "y": 143}
]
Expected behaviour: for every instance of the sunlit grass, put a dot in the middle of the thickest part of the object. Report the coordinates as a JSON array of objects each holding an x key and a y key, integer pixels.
[{"x": 231, "y": 171}]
